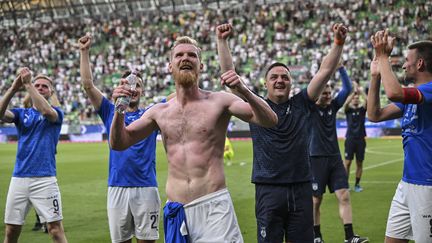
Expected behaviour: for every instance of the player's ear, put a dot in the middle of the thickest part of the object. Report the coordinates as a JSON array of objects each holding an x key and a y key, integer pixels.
[{"x": 421, "y": 65}]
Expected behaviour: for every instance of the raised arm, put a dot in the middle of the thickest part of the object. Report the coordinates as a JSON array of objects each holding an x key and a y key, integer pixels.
[
  {"x": 255, "y": 109},
  {"x": 374, "y": 110},
  {"x": 349, "y": 99},
  {"x": 224, "y": 31},
  {"x": 122, "y": 137},
  {"x": 346, "y": 86},
  {"x": 6, "y": 115},
  {"x": 383, "y": 45},
  {"x": 93, "y": 93},
  {"x": 329, "y": 63},
  {"x": 362, "y": 95},
  {"x": 39, "y": 102}
]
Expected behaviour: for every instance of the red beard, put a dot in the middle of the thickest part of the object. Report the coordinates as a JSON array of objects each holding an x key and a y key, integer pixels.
[{"x": 186, "y": 79}]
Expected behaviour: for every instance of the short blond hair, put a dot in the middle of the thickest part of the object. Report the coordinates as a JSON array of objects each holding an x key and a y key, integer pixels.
[
  {"x": 54, "y": 99},
  {"x": 186, "y": 40},
  {"x": 42, "y": 76}
]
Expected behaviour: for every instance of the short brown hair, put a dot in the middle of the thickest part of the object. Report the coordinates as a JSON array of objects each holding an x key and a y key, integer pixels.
[
  {"x": 276, "y": 64},
  {"x": 138, "y": 74},
  {"x": 186, "y": 40},
  {"x": 424, "y": 51}
]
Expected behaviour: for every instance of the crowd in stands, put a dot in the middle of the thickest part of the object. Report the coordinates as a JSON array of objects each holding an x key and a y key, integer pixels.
[{"x": 297, "y": 34}]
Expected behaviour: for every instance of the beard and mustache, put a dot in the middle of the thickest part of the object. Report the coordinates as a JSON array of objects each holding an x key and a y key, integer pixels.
[
  {"x": 185, "y": 78},
  {"x": 407, "y": 79}
]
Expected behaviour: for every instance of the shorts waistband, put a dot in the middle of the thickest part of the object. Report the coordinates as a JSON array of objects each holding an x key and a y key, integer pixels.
[{"x": 207, "y": 197}]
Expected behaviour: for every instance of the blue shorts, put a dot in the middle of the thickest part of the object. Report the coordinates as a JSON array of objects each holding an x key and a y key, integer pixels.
[
  {"x": 328, "y": 171},
  {"x": 284, "y": 211}
]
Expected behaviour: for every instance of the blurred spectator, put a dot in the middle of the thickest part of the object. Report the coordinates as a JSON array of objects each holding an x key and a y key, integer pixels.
[{"x": 291, "y": 33}]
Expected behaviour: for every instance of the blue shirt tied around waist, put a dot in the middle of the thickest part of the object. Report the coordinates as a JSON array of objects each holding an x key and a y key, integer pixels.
[{"x": 174, "y": 217}]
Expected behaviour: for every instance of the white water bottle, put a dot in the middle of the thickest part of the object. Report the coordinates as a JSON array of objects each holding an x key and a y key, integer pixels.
[{"x": 122, "y": 102}]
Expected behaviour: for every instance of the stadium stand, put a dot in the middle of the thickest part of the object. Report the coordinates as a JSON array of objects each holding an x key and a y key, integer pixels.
[{"x": 43, "y": 35}]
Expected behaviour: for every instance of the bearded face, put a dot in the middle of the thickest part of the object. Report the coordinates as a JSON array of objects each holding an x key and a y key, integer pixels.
[
  {"x": 185, "y": 65},
  {"x": 186, "y": 75}
]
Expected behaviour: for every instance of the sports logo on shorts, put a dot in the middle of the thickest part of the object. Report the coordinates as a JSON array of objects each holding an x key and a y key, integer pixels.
[
  {"x": 263, "y": 232},
  {"x": 314, "y": 186}
]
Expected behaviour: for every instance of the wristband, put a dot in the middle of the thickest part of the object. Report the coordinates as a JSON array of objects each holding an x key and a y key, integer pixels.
[{"x": 339, "y": 42}]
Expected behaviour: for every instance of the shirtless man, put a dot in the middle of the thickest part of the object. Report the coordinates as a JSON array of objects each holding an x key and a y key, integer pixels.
[{"x": 193, "y": 127}]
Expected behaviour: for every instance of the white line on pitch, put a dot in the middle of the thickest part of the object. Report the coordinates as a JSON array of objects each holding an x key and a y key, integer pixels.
[
  {"x": 383, "y": 153},
  {"x": 379, "y": 182},
  {"x": 380, "y": 164}
]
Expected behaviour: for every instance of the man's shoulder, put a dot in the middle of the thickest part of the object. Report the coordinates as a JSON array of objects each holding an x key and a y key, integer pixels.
[
  {"x": 222, "y": 96},
  {"x": 220, "y": 93}
]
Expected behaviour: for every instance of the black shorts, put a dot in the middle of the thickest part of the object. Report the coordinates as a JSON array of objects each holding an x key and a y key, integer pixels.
[
  {"x": 328, "y": 171},
  {"x": 284, "y": 211},
  {"x": 355, "y": 146}
]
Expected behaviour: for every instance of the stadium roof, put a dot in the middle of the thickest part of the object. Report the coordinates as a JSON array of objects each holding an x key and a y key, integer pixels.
[{"x": 21, "y": 12}]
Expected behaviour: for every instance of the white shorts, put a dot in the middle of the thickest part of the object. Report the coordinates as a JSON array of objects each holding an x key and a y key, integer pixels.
[
  {"x": 41, "y": 192},
  {"x": 133, "y": 211},
  {"x": 211, "y": 218},
  {"x": 410, "y": 215}
]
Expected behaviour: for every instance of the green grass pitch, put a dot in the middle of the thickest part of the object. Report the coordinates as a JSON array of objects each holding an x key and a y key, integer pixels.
[{"x": 82, "y": 170}]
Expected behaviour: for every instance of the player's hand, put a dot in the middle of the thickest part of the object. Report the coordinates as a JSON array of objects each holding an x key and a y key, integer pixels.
[
  {"x": 232, "y": 80},
  {"x": 224, "y": 31},
  {"x": 383, "y": 43},
  {"x": 123, "y": 89},
  {"x": 85, "y": 42},
  {"x": 17, "y": 83},
  {"x": 25, "y": 75},
  {"x": 355, "y": 86},
  {"x": 374, "y": 67},
  {"x": 340, "y": 32}
]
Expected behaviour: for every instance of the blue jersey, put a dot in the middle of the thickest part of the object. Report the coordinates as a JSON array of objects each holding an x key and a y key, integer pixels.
[
  {"x": 281, "y": 153},
  {"x": 417, "y": 138},
  {"x": 174, "y": 217},
  {"x": 135, "y": 166},
  {"x": 37, "y": 142}
]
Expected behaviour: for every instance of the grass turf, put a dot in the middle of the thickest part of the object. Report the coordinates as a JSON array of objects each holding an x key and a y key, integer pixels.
[{"x": 82, "y": 170}]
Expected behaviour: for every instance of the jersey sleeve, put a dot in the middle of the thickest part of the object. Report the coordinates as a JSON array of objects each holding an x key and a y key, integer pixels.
[
  {"x": 399, "y": 105},
  {"x": 105, "y": 109},
  {"x": 17, "y": 113},
  {"x": 346, "y": 87},
  {"x": 305, "y": 96},
  {"x": 426, "y": 91},
  {"x": 60, "y": 115}
]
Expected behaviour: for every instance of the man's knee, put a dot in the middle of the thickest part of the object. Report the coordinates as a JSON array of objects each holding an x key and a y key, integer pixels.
[
  {"x": 55, "y": 229},
  {"x": 12, "y": 232},
  {"x": 343, "y": 196}
]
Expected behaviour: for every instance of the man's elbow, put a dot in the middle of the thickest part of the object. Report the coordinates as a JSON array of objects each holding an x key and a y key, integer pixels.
[
  {"x": 50, "y": 115},
  {"x": 274, "y": 120},
  {"x": 117, "y": 145},
  {"x": 373, "y": 117},
  {"x": 87, "y": 84},
  {"x": 271, "y": 121},
  {"x": 395, "y": 96}
]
